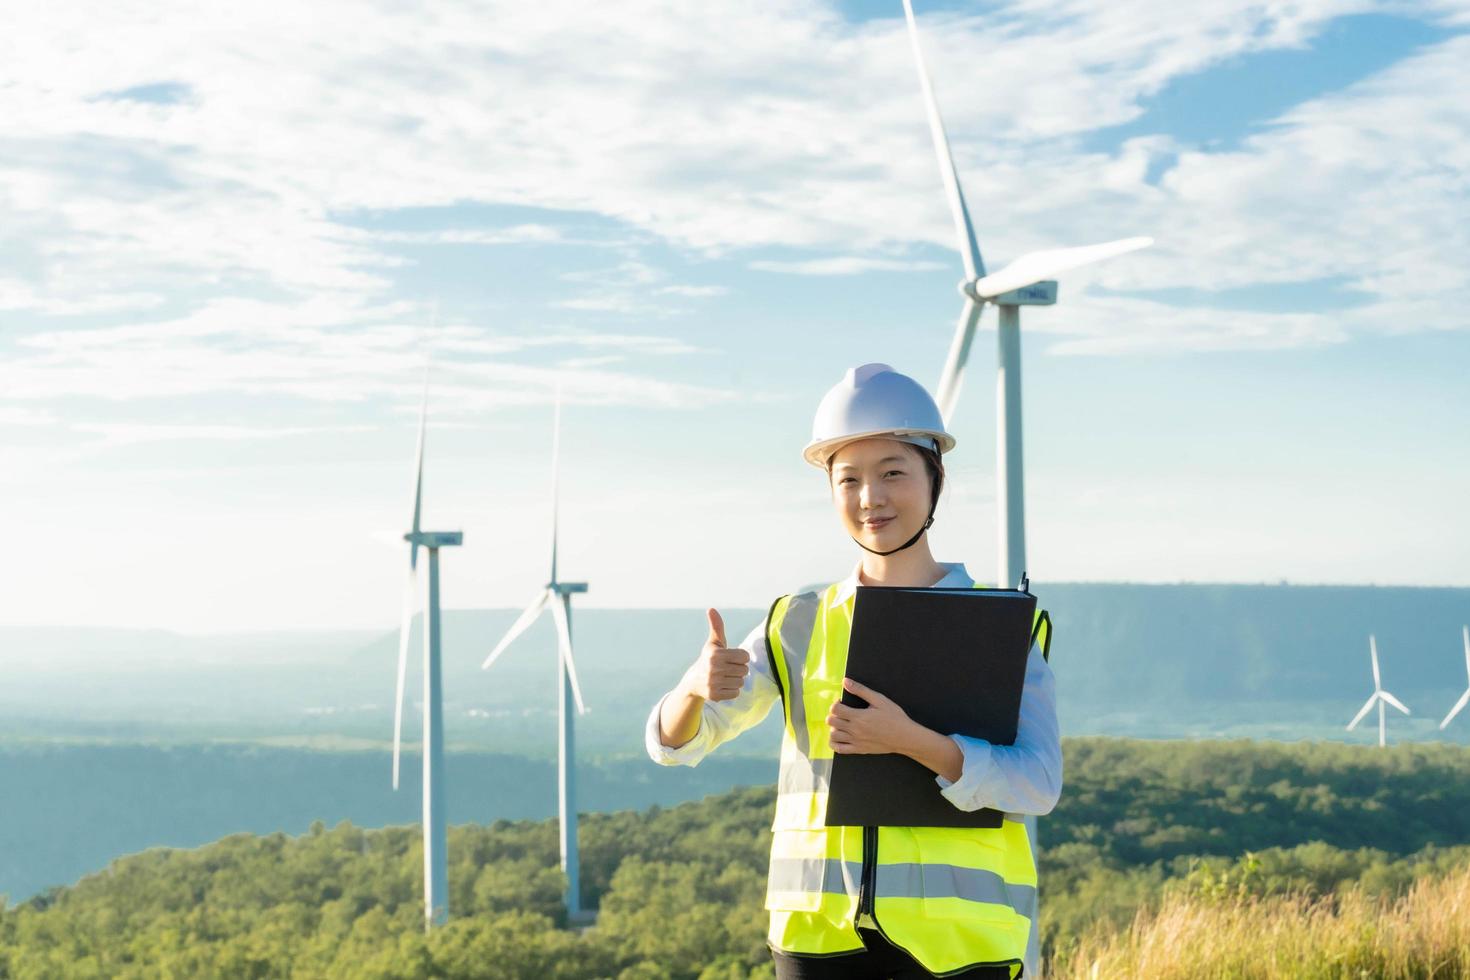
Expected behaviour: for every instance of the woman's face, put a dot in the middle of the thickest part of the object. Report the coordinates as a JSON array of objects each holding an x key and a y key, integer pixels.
[{"x": 881, "y": 489}]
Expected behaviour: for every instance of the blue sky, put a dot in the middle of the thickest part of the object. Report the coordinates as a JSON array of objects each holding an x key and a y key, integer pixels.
[{"x": 224, "y": 234}]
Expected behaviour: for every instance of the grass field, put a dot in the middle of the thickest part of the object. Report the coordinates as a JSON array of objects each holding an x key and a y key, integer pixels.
[{"x": 1423, "y": 933}]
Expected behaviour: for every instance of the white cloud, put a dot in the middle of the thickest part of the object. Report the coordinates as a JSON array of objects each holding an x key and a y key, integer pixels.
[
  {"x": 336, "y": 349},
  {"x": 632, "y": 288},
  {"x": 724, "y": 126},
  {"x": 845, "y": 265},
  {"x": 527, "y": 234},
  {"x": 730, "y": 126},
  {"x": 629, "y": 273},
  {"x": 128, "y": 433},
  {"x": 18, "y": 295},
  {"x": 18, "y": 415},
  {"x": 693, "y": 292},
  {"x": 613, "y": 303},
  {"x": 1365, "y": 188},
  {"x": 1366, "y": 184},
  {"x": 21, "y": 467},
  {"x": 1123, "y": 325}
]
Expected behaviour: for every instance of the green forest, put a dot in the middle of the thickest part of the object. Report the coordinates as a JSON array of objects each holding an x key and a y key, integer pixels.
[{"x": 679, "y": 889}]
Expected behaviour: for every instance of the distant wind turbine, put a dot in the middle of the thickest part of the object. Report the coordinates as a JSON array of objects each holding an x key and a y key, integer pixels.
[
  {"x": 1379, "y": 697},
  {"x": 558, "y": 595},
  {"x": 436, "y": 892},
  {"x": 1464, "y": 698}
]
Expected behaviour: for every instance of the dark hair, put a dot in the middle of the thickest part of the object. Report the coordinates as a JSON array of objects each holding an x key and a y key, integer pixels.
[
  {"x": 935, "y": 465},
  {"x": 932, "y": 463}
]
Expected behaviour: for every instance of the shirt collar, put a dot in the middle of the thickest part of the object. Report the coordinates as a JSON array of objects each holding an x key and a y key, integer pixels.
[{"x": 955, "y": 577}]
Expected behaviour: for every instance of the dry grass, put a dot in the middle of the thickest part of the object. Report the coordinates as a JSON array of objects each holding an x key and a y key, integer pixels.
[{"x": 1423, "y": 933}]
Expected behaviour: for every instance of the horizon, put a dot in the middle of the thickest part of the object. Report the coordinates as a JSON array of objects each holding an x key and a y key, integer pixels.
[{"x": 393, "y": 627}]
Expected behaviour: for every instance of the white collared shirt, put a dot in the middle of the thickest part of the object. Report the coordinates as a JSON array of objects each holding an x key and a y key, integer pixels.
[{"x": 1024, "y": 778}]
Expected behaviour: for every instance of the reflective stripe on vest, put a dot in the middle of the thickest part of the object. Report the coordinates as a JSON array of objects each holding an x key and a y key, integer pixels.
[
  {"x": 907, "y": 880},
  {"x": 951, "y": 897}
]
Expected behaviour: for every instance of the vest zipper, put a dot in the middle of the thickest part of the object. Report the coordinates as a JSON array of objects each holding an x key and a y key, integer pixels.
[{"x": 870, "y": 872}]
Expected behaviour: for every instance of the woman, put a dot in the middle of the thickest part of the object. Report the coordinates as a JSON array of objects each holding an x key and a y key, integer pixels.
[{"x": 883, "y": 901}]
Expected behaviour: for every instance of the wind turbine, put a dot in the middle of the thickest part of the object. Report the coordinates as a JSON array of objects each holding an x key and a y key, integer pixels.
[
  {"x": 1025, "y": 282},
  {"x": 558, "y": 595},
  {"x": 1464, "y": 698},
  {"x": 1379, "y": 697},
  {"x": 436, "y": 866}
]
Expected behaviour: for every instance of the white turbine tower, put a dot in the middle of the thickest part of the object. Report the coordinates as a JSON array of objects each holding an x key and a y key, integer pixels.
[
  {"x": 1379, "y": 697},
  {"x": 1025, "y": 282},
  {"x": 436, "y": 891},
  {"x": 1464, "y": 698},
  {"x": 558, "y": 595}
]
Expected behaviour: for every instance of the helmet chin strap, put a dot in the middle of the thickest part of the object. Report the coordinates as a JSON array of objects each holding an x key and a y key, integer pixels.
[{"x": 907, "y": 544}]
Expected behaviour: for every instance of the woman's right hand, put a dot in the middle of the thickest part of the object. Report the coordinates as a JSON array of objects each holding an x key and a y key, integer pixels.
[{"x": 719, "y": 673}]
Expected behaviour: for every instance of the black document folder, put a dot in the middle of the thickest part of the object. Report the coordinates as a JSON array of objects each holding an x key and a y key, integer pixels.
[{"x": 955, "y": 661}]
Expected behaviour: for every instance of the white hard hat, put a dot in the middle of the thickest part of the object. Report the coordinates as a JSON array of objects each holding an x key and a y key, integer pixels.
[{"x": 875, "y": 401}]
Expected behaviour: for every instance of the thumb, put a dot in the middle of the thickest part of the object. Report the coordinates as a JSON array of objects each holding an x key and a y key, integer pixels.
[{"x": 716, "y": 628}]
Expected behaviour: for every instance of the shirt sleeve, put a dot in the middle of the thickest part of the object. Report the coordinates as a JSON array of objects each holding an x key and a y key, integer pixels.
[
  {"x": 721, "y": 721},
  {"x": 1024, "y": 778}
]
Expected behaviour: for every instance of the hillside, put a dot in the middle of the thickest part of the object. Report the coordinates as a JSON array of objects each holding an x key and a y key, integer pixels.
[
  {"x": 680, "y": 889},
  {"x": 70, "y": 808}
]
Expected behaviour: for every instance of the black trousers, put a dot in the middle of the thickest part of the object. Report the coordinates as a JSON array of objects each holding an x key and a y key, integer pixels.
[{"x": 880, "y": 960}]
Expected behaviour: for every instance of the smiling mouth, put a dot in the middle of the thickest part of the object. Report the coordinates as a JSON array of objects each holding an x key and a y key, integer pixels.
[{"x": 876, "y": 524}]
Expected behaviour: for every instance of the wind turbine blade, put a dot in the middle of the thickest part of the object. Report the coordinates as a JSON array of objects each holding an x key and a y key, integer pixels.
[
  {"x": 564, "y": 639},
  {"x": 1036, "y": 266},
  {"x": 1393, "y": 701},
  {"x": 1367, "y": 707},
  {"x": 555, "y": 480},
  {"x": 959, "y": 353},
  {"x": 969, "y": 248},
  {"x": 1373, "y": 652},
  {"x": 1459, "y": 705},
  {"x": 410, "y": 593},
  {"x": 418, "y": 469},
  {"x": 518, "y": 627}
]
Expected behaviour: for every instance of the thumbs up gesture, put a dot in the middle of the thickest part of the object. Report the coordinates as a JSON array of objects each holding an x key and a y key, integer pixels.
[{"x": 719, "y": 673}]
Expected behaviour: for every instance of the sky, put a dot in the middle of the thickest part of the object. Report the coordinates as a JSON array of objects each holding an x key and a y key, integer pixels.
[{"x": 231, "y": 235}]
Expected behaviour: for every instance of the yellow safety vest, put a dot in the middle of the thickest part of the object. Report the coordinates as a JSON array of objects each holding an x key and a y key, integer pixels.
[{"x": 952, "y": 898}]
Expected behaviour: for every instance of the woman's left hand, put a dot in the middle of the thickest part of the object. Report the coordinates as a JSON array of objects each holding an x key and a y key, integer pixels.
[{"x": 881, "y": 727}]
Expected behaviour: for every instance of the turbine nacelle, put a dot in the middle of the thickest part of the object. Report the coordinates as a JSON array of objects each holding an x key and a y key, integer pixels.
[
  {"x": 434, "y": 539},
  {"x": 1043, "y": 293}
]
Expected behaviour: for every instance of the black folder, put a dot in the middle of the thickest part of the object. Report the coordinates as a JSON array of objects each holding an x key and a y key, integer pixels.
[{"x": 955, "y": 661}]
